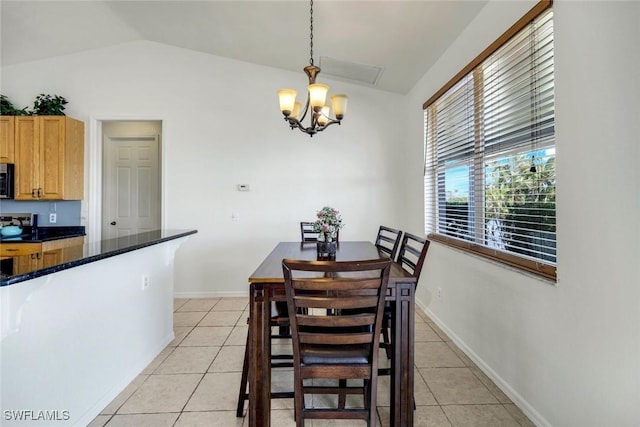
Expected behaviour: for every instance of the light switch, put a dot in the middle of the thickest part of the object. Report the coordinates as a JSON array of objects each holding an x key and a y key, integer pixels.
[{"x": 243, "y": 187}]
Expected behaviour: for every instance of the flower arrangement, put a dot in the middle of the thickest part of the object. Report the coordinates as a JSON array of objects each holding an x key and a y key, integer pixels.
[{"x": 328, "y": 223}]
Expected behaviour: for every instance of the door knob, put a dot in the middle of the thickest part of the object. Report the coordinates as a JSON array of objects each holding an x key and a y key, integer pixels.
[{"x": 112, "y": 223}]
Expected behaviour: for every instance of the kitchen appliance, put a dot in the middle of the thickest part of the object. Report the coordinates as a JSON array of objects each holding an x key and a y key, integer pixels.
[
  {"x": 25, "y": 222},
  {"x": 6, "y": 181},
  {"x": 10, "y": 230}
]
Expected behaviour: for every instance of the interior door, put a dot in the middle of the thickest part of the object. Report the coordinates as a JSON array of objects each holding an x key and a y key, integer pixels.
[{"x": 131, "y": 185}]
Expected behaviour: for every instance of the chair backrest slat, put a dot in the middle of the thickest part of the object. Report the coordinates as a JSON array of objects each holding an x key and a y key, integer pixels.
[
  {"x": 344, "y": 284},
  {"x": 361, "y": 319},
  {"x": 331, "y": 302},
  {"x": 335, "y": 339}
]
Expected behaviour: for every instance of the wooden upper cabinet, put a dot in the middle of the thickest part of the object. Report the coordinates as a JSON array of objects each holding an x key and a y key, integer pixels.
[
  {"x": 26, "y": 155},
  {"x": 7, "y": 144},
  {"x": 49, "y": 157}
]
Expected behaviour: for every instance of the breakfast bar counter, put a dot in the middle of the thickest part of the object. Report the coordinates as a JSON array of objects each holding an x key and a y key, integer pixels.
[
  {"x": 75, "y": 334},
  {"x": 90, "y": 252}
]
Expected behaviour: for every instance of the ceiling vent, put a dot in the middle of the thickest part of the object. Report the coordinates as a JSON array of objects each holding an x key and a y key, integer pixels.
[{"x": 359, "y": 73}]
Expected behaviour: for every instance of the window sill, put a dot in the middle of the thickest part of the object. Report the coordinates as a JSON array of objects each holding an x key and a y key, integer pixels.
[{"x": 536, "y": 268}]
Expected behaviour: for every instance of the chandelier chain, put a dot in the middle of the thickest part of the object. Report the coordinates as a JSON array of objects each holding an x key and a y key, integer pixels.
[{"x": 311, "y": 34}]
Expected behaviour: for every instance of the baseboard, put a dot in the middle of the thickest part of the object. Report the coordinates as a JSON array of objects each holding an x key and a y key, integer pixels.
[
  {"x": 123, "y": 383},
  {"x": 210, "y": 294},
  {"x": 535, "y": 417}
]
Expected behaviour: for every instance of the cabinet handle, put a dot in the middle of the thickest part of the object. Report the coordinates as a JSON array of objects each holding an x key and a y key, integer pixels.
[
  {"x": 33, "y": 193},
  {"x": 11, "y": 250},
  {"x": 39, "y": 192}
]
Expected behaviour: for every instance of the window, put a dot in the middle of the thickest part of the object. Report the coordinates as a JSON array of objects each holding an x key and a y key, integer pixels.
[{"x": 490, "y": 151}]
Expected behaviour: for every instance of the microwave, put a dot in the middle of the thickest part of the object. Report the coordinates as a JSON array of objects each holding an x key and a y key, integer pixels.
[{"x": 6, "y": 181}]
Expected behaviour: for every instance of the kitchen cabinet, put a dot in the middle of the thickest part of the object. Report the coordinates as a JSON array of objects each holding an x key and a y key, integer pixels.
[
  {"x": 7, "y": 144},
  {"x": 29, "y": 257},
  {"x": 49, "y": 158}
]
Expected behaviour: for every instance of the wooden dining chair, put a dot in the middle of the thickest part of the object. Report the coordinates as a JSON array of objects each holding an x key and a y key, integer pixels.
[
  {"x": 411, "y": 256},
  {"x": 388, "y": 241},
  {"x": 306, "y": 232},
  {"x": 337, "y": 346},
  {"x": 307, "y": 235}
]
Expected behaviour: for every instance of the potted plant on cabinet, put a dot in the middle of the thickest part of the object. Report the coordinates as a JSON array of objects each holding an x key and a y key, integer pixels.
[{"x": 47, "y": 105}]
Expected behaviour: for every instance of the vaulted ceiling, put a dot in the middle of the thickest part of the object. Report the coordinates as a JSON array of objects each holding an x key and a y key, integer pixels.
[{"x": 388, "y": 45}]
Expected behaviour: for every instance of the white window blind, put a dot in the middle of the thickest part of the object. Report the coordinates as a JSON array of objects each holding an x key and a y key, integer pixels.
[{"x": 490, "y": 151}]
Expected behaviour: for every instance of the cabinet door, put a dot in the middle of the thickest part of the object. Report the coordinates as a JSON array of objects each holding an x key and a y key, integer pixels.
[
  {"x": 27, "y": 156},
  {"x": 51, "y": 258},
  {"x": 7, "y": 144},
  {"x": 73, "y": 252},
  {"x": 26, "y": 263},
  {"x": 51, "y": 167}
]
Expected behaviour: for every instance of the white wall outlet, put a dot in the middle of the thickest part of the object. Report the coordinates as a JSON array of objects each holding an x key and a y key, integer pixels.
[
  {"x": 145, "y": 282},
  {"x": 53, "y": 218},
  {"x": 235, "y": 216},
  {"x": 439, "y": 293}
]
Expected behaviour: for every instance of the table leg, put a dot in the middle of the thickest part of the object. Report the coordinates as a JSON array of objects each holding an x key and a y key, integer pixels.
[
  {"x": 402, "y": 368},
  {"x": 259, "y": 351}
]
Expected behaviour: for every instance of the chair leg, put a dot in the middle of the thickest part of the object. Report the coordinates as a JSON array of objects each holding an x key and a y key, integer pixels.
[
  {"x": 298, "y": 400},
  {"x": 342, "y": 397},
  {"x": 242, "y": 395},
  {"x": 386, "y": 341}
]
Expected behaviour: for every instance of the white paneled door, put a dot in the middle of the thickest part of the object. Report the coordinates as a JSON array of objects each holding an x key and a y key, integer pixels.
[{"x": 131, "y": 185}]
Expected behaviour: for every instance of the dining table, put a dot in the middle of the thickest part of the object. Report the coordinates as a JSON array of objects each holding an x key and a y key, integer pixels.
[{"x": 267, "y": 286}]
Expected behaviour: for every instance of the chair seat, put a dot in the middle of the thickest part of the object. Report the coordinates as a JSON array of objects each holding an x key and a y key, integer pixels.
[{"x": 345, "y": 355}]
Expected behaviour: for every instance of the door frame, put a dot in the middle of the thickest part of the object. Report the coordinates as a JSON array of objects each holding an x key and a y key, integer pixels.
[{"x": 91, "y": 207}]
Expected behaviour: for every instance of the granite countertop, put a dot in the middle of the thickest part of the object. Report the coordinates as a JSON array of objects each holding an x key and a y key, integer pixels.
[
  {"x": 95, "y": 251},
  {"x": 45, "y": 234}
]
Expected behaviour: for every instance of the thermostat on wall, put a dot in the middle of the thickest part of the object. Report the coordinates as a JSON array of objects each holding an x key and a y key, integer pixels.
[{"x": 243, "y": 187}]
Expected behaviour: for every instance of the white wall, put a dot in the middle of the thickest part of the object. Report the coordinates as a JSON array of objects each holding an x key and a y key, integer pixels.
[
  {"x": 222, "y": 127},
  {"x": 569, "y": 355}
]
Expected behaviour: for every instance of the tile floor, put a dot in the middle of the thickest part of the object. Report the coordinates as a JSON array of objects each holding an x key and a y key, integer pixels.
[{"x": 194, "y": 381}]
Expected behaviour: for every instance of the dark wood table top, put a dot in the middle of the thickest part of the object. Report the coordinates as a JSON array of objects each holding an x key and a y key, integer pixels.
[{"x": 270, "y": 271}]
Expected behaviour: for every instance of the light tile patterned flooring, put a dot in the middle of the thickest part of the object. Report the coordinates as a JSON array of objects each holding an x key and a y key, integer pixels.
[{"x": 194, "y": 381}]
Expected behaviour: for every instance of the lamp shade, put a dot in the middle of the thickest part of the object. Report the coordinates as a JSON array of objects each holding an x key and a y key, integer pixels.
[
  {"x": 323, "y": 117},
  {"x": 317, "y": 95},
  {"x": 339, "y": 105},
  {"x": 297, "y": 107},
  {"x": 287, "y": 99}
]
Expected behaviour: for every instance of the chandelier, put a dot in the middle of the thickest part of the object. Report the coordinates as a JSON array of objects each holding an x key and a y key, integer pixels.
[{"x": 316, "y": 97}]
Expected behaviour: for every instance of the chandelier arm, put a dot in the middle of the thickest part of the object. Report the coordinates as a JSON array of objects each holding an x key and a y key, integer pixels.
[
  {"x": 326, "y": 125},
  {"x": 297, "y": 124},
  {"x": 306, "y": 108},
  {"x": 311, "y": 130}
]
